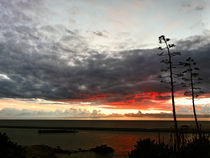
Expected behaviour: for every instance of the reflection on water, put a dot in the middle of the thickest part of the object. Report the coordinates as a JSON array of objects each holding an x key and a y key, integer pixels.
[{"x": 100, "y": 123}]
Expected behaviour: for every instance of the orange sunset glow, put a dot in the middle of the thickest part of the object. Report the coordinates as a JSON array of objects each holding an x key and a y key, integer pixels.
[{"x": 97, "y": 105}]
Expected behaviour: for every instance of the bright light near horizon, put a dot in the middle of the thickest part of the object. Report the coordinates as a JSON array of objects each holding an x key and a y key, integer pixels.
[
  {"x": 86, "y": 108},
  {"x": 188, "y": 101},
  {"x": 153, "y": 111},
  {"x": 135, "y": 111},
  {"x": 118, "y": 111}
]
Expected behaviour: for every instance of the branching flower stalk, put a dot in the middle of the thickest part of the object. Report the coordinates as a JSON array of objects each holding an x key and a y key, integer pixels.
[
  {"x": 193, "y": 79},
  {"x": 169, "y": 62}
]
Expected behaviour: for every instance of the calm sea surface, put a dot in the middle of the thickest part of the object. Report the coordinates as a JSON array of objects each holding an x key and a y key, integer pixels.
[{"x": 122, "y": 142}]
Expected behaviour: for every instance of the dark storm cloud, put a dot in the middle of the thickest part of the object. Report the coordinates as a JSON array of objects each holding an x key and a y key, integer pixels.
[
  {"x": 54, "y": 62},
  {"x": 47, "y": 75},
  {"x": 198, "y": 48}
]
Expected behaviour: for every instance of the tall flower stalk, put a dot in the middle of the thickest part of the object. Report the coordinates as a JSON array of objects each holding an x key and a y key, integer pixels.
[
  {"x": 191, "y": 80},
  {"x": 169, "y": 70}
]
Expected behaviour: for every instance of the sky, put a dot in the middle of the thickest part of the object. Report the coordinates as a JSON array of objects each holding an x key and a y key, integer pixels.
[{"x": 97, "y": 59}]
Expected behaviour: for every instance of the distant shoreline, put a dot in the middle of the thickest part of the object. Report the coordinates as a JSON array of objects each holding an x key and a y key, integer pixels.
[
  {"x": 105, "y": 125},
  {"x": 161, "y": 130}
]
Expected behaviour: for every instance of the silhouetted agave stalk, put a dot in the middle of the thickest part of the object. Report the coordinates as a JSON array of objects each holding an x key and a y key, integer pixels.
[
  {"x": 191, "y": 79},
  {"x": 169, "y": 70}
]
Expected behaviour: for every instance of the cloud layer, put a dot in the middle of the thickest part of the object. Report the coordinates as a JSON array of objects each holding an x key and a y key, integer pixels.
[
  {"x": 11, "y": 113},
  {"x": 54, "y": 62}
]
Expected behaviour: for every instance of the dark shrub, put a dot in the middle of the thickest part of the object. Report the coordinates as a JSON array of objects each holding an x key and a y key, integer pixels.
[
  {"x": 8, "y": 149},
  {"x": 198, "y": 147},
  {"x": 149, "y": 149}
]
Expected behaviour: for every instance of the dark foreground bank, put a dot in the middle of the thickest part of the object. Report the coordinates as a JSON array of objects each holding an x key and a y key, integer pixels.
[
  {"x": 196, "y": 147},
  {"x": 9, "y": 149}
]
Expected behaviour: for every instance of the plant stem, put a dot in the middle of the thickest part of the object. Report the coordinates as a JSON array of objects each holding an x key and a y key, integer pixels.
[
  {"x": 193, "y": 100},
  {"x": 172, "y": 91}
]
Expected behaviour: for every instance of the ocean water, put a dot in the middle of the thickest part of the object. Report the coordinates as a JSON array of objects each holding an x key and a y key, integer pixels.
[
  {"x": 100, "y": 123},
  {"x": 122, "y": 142}
]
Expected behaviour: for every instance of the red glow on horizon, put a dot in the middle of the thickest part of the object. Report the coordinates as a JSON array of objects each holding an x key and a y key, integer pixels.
[
  {"x": 139, "y": 101},
  {"x": 145, "y": 100}
]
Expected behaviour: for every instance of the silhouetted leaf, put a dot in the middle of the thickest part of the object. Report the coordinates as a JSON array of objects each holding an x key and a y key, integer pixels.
[
  {"x": 161, "y": 38},
  {"x": 186, "y": 64},
  {"x": 189, "y": 59},
  {"x": 171, "y": 45}
]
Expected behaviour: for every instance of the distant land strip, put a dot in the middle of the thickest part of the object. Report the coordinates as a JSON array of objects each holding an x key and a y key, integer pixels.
[{"x": 184, "y": 130}]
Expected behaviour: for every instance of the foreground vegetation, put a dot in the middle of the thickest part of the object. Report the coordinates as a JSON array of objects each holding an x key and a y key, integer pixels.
[
  {"x": 9, "y": 149},
  {"x": 196, "y": 147}
]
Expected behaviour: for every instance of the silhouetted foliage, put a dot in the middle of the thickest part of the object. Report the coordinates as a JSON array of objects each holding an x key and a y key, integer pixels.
[
  {"x": 197, "y": 147},
  {"x": 148, "y": 148},
  {"x": 8, "y": 149}
]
